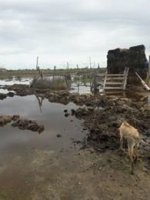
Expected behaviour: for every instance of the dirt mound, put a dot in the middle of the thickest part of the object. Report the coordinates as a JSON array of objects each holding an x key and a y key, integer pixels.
[
  {"x": 5, "y": 119},
  {"x": 23, "y": 124},
  {"x": 103, "y": 122},
  {"x": 28, "y": 125},
  {"x": 20, "y": 89}
]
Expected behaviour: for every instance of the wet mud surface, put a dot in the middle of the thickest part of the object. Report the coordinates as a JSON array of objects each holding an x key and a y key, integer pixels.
[
  {"x": 46, "y": 174},
  {"x": 76, "y": 156}
]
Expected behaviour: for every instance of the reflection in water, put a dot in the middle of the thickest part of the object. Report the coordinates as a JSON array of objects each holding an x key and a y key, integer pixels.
[
  {"x": 40, "y": 101},
  {"x": 52, "y": 117},
  {"x": 81, "y": 89}
]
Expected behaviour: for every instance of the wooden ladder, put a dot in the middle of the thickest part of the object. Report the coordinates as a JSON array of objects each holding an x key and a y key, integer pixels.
[
  {"x": 116, "y": 81},
  {"x": 112, "y": 81}
]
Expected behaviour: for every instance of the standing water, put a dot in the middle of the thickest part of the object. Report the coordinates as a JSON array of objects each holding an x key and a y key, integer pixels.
[
  {"x": 49, "y": 166},
  {"x": 25, "y": 154}
]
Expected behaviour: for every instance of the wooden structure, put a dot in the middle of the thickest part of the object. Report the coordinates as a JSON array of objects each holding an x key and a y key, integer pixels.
[
  {"x": 143, "y": 82},
  {"x": 110, "y": 81},
  {"x": 148, "y": 73},
  {"x": 38, "y": 68}
]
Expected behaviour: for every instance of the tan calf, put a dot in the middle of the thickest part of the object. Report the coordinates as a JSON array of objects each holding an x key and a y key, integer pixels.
[{"x": 132, "y": 136}]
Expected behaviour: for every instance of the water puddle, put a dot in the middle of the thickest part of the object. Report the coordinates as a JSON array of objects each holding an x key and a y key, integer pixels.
[
  {"x": 14, "y": 80},
  {"x": 51, "y": 115},
  {"x": 79, "y": 88},
  {"x": 27, "y": 156}
]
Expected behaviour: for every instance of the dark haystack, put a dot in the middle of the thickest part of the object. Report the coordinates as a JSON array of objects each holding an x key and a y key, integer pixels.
[{"x": 134, "y": 58}]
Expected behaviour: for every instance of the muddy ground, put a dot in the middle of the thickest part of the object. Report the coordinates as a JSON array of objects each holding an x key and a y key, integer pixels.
[
  {"x": 98, "y": 170},
  {"x": 64, "y": 176}
]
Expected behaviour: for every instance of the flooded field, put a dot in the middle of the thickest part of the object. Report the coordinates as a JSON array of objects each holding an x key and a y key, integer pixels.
[{"x": 52, "y": 165}]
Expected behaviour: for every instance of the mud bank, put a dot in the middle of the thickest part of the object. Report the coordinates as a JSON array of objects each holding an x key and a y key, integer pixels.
[
  {"x": 20, "y": 89},
  {"x": 103, "y": 121},
  {"x": 23, "y": 124}
]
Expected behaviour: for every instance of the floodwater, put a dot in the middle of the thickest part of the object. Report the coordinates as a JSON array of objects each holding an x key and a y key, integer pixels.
[
  {"x": 23, "y": 151},
  {"x": 15, "y": 80},
  {"x": 46, "y": 167},
  {"x": 51, "y": 115},
  {"x": 75, "y": 87}
]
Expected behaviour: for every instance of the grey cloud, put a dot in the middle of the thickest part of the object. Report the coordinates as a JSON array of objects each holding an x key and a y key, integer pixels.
[{"x": 74, "y": 29}]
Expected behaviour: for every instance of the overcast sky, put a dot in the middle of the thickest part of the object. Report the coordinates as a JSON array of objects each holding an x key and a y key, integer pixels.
[{"x": 69, "y": 30}]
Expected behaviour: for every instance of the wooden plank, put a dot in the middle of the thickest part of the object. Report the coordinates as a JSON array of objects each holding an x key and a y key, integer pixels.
[
  {"x": 99, "y": 75},
  {"x": 114, "y": 83},
  {"x": 113, "y": 88},
  {"x": 125, "y": 82},
  {"x": 143, "y": 82},
  {"x": 148, "y": 73},
  {"x": 105, "y": 81},
  {"x": 114, "y": 91},
  {"x": 115, "y": 78}
]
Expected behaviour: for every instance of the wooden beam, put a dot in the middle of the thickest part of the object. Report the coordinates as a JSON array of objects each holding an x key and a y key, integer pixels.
[
  {"x": 143, "y": 82},
  {"x": 38, "y": 68},
  {"x": 148, "y": 73},
  {"x": 113, "y": 88}
]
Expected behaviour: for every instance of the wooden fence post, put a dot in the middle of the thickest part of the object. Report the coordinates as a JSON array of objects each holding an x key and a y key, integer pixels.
[{"x": 148, "y": 73}]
